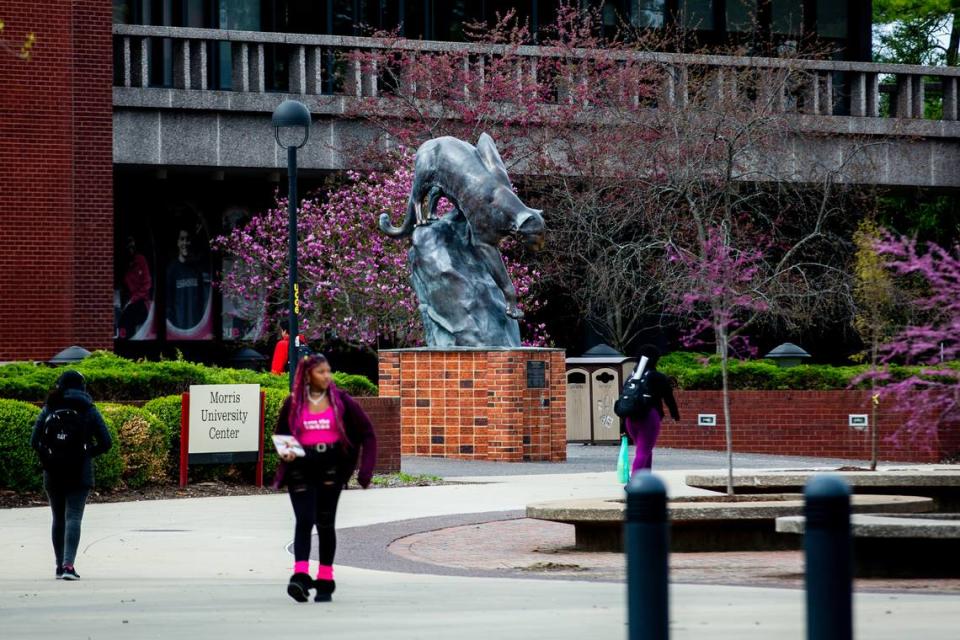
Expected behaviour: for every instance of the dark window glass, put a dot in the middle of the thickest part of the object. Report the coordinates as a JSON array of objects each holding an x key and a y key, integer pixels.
[
  {"x": 741, "y": 15},
  {"x": 787, "y": 16},
  {"x": 647, "y": 13},
  {"x": 698, "y": 15},
  {"x": 831, "y": 19}
]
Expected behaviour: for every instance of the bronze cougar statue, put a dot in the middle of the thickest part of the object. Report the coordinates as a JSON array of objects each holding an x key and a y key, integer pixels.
[{"x": 475, "y": 180}]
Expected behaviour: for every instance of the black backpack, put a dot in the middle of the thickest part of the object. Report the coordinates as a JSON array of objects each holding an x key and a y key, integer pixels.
[
  {"x": 635, "y": 399},
  {"x": 63, "y": 439}
]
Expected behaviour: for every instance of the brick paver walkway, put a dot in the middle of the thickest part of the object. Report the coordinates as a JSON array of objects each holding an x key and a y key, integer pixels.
[{"x": 541, "y": 547}]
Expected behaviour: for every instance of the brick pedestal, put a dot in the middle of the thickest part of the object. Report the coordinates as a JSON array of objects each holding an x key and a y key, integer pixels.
[
  {"x": 384, "y": 413},
  {"x": 477, "y": 403}
]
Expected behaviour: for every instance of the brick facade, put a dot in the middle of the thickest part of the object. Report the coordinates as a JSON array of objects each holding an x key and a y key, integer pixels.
[
  {"x": 385, "y": 415},
  {"x": 56, "y": 184},
  {"x": 475, "y": 404},
  {"x": 799, "y": 423}
]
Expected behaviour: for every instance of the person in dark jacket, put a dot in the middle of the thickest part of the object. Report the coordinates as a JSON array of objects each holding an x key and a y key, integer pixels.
[
  {"x": 69, "y": 481},
  {"x": 644, "y": 431},
  {"x": 335, "y": 433}
]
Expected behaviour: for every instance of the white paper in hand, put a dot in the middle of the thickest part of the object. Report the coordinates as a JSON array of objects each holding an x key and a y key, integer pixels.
[
  {"x": 640, "y": 367},
  {"x": 288, "y": 444}
]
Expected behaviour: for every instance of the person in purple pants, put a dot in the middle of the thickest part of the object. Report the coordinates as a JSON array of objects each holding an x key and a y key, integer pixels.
[{"x": 644, "y": 431}]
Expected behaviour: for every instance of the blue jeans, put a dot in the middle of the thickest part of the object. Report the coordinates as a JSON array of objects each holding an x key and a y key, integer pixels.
[{"x": 67, "y": 506}]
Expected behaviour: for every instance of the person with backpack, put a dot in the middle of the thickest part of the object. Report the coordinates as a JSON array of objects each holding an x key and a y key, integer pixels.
[
  {"x": 335, "y": 434},
  {"x": 68, "y": 435},
  {"x": 644, "y": 413}
]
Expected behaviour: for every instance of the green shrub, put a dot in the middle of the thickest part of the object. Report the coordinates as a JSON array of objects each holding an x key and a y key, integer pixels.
[
  {"x": 109, "y": 467},
  {"x": 112, "y": 378},
  {"x": 167, "y": 410},
  {"x": 21, "y": 469},
  {"x": 143, "y": 443}
]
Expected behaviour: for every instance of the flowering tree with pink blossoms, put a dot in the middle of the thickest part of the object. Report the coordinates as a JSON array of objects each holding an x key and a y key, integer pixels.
[
  {"x": 723, "y": 287},
  {"x": 354, "y": 281},
  {"x": 929, "y": 398}
]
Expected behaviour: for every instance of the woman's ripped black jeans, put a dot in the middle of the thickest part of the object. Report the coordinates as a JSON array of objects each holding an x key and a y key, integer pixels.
[{"x": 314, "y": 493}]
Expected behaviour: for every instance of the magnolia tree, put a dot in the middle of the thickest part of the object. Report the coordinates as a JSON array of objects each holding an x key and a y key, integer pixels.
[
  {"x": 931, "y": 398},
  {"x": 354, "y": 281}
]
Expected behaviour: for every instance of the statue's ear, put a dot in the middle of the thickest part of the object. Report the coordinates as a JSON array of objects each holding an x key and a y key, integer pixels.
[{"x": 491, "y": 157}]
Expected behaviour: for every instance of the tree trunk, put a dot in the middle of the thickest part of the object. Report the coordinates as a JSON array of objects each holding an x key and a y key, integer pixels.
[
  {"x": 728, "y": 431},
  {"x": 954, "y": 45},
  {"x": 874, "y": 427}
]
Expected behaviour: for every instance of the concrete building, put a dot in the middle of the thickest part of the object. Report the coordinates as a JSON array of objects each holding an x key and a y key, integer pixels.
[{"x": 117, "y": 256}]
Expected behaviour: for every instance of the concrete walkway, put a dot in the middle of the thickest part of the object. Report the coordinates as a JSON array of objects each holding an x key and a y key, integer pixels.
[{"x": 216, "y": 567}]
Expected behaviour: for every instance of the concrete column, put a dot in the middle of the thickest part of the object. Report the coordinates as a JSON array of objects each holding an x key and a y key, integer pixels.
[
  {"x": 140, "y": 62},
  {"x": 257, "y": 69},
  {"x": 297, "y": 70},
  {"x": 198, "y": 65},
  {"x": 370, "y": 80},
  {"x": 811, "y": 104},
  {"x": 917, "y": 94},
  {"x": 240, "y": 52},
  {"x": 126, "y": 61},
  {"x": 858, "y": 94},
  {"x": 904, "y": 97},
  {"x": 314, "y": 70},
  {"x": 181, "y": 64},
  {"x": 950, "y": 98},
  {"x": 873, "y": 95}
]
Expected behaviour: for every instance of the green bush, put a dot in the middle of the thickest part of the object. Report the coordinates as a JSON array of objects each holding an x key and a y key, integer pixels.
[
  {"x": 109, "y": 467},
  {"x": 143, "y": 443},
  {"x": 112, "y": 378},
  {"x": 21, "y": 469}
]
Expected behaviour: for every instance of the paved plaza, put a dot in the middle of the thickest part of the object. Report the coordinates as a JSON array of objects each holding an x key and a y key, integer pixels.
[{"x": 217, "y": 567}]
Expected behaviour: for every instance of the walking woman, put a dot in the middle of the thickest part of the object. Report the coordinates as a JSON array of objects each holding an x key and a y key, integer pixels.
[
  {"x": 68, "y": 435},
  {"x": 644, "y": 431},
  {"x": 334, "y": 432}
]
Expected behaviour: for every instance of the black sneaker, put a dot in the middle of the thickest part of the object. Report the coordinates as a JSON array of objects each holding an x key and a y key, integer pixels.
[
  {"x": 69, "y": 573},
  {"x": 59, "y": 572},
  {"x": 299, "y": 587},
  {"x": 325, "y": 589}
]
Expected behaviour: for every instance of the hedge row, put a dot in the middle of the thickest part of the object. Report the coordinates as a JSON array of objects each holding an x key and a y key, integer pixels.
[
  {"x": 111, "y": 377},
  {"x": 146, "y": 445},
  {"x": 702, "y": 372}
]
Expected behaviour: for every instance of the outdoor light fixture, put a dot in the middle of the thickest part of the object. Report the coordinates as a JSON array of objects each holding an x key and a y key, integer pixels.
[
  {"x": 787, "y": 355},
  {"x": 291, "y": 126}
]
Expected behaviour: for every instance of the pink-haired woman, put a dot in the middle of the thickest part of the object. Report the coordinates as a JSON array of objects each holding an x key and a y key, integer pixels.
[{"x": 335, "y": 433}]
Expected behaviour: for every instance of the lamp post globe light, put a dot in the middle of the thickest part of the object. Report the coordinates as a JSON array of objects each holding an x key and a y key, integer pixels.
[{"x": 291, "y": 126}]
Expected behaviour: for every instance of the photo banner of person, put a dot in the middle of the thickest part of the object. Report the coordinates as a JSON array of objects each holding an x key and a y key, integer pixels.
[
  {"x": 133, "y": 295},
  {"x": 189, "y": 295}
]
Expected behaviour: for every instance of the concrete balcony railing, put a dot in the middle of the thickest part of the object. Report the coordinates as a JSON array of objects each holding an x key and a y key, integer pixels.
[{"x": 248, "y": 62}]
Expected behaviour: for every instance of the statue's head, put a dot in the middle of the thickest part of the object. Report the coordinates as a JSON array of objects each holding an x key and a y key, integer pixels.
[{"x": 531, "y": 228}]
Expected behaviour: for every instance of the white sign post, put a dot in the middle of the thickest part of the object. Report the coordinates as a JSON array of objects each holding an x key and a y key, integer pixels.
[{"x": 222, "y": 423}]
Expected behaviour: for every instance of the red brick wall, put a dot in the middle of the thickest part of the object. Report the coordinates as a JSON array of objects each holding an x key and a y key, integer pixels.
[
  {"x": 385, "y": 415},
  {"x": 56, "y": 186},
  {"x": 803, "y": 423},
  {"x": 476, "y": 404}
]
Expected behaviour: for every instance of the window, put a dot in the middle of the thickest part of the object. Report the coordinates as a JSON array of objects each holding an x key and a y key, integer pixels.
[
  {"x": 831, "y": 19},
  {"x": 647, "y": 14},
  {"x": 787, "y": 17},
  {"x": 698, "y": 15},
  {"x": 741, "y": 15}
]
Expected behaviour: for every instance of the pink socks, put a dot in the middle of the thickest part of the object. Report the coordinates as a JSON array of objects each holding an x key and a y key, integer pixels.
[{"x": 325, "y": 572}]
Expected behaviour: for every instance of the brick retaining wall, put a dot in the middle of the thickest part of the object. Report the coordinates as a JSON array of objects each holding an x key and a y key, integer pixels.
[
  {"x": 385, "y": 415},
  {"x": 475, "y": 403},
  {"x": 800, "y": 423}
]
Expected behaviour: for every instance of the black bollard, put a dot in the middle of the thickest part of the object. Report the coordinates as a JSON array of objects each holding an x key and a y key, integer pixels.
[
  {"x": 647, "y": 540},
  {"x": 829, "y": 560}
]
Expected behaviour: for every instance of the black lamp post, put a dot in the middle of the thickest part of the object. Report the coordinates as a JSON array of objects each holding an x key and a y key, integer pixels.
[{"x": 291, "y": 125}]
